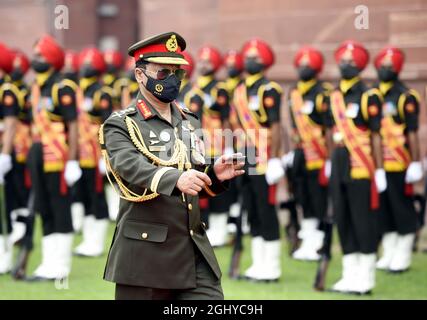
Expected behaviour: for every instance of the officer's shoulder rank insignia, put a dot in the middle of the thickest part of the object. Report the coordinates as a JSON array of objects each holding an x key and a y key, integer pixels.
[
  {"x": 172, "y": 44},
  {"x": 121, "y": 113}
]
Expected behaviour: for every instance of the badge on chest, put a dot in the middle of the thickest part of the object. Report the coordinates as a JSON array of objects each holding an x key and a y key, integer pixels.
[
  {"x": 46, "y": 103},
  {"x": 389, "y": 109},
  {"x": 352, "y": 110},
  {"x": 253, "y": 103},
  {"x": 308, "y": 107},
  {"x": 87, "y": 104},
  {"x": 208, "y": 100}
]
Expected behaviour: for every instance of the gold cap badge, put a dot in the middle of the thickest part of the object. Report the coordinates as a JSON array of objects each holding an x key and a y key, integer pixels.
[{"x": 172, "y": 44}]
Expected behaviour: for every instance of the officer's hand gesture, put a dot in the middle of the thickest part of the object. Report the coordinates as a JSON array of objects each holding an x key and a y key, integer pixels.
[
  {"x": 228, "y": 167},
  {"x": 192, "y": 181}
]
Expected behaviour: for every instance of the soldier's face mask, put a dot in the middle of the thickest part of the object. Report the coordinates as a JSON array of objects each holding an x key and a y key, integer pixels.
[
  {"x": 233, "y": 72},
  {"x": 306, "y": 73},
  {"x": 16, "y": 74},
  {"x": 88, "y": 72},
  {"x": 386, "y": 73},
  {"x": 348, "y": 70},
  {"x": 252, "y": 66},
  {"x": 111, "y": 68},
  {"x": 39, "y": 66},
  {"x": 167, "y": 89}
]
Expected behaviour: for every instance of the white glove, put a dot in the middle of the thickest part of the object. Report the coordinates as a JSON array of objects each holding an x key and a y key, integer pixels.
[
  {"x": 72, "y": 172},
  {"x": 102, "y": 167},
  {"x": 228, "y": 151},
  {"x": 288, "y": 159},
  {"x": 5, "y": 165},
  {"x": 414, "y": 172},
  {"x": 328, "y": 168},
  {"x": 275, "y": 171},
  {"x": 380, "y": 180}
]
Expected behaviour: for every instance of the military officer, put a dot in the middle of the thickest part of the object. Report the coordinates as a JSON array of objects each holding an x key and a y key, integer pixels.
[
  {"x": 402, "y": 161},
  {"x": 357, "y": 176},
  {"x": 9, "y": 110},
  {"x": 154, "y": 153},
  {"x": 53, "y": 157},
  {"x": 308, "y": 105},
  {"x": 95, "y": 106},
  {"x": 257, "y": 102},
  {"x": 211, "y": 102}
]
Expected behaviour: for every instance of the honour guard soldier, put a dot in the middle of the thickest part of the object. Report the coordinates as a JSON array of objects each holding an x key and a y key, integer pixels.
[
  {"x": 214, "y": 112},
  {"x": 53, "y": 157},
  {"x": 114, "y": 62},
  {"x": 186, "y": 84},
  {"x": 402, "y": 161},
  {"x": 95, "y": 106},
  {"x": 9, "y": 110},
  {"x": 257, "y": 102},
  {"x": 154, "y": 153},
  {"x": 233, "y": 62},
  {"x": 357, "y": 175},
  {"x": 309, "y": 106},
  {"x": 22, "y": 142}
]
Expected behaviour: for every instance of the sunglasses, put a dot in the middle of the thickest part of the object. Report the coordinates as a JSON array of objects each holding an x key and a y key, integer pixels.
[{"x": 162, "y": 74}]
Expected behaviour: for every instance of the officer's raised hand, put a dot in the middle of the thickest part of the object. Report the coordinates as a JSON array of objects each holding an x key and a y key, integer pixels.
[{"x": 229, "y": 166}]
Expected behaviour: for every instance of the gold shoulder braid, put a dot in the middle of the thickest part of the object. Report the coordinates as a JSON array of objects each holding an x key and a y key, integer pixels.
[{"x": 179, "y": 158}]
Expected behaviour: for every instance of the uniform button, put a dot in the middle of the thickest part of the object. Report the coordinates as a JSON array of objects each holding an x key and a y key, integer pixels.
[
  {"x": 176, "y": 130},
  {"x": 144, "y": 235},
  {"x": 204, "y": 225},
  {"x": 191, "y": 232},
  {"x": 190, "y": 206}
]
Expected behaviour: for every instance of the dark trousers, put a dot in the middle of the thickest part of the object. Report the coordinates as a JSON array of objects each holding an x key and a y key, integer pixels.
[
  {"x": 208, "y": 288},
  {"x": 351, "y": 200},
  {"x": 397, "y": 208},
  {"x": 85, "y": 190},
  {"x": 53, "y": 205},
  {"x": 262, "y": 214},
  {"x": 312, "y": 197}
]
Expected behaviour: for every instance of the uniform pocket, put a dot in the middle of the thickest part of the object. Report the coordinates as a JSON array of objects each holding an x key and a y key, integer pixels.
[{"x": 145, "y": 231}]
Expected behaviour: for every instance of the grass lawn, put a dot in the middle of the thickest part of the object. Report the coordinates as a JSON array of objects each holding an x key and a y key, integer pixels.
[{"x": 86, "y": 281}]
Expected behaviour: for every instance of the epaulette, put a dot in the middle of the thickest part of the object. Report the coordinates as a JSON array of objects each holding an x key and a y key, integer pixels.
[
  {"x": 8, "y": 86},
  {"x": 107, "y": 90},
  {"x": 221, "y": 85},
  {"x": 68, "y": 83},
  {"x": 374, "y": 92},
  {"x": 119, "y": 83},
  {"x": 364, "y": 101},
  {"x": 273, "y": 85},
  {"x": 184, "y": 109},
  {"x": 122, "y": 113}
]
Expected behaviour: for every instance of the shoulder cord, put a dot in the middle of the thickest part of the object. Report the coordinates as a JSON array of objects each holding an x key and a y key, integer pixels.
[{"x": 178, "y": 158}]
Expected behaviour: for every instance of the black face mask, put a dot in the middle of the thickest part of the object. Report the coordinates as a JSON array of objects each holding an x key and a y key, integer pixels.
[
  {"x": 71, "y": 75},
  {"x": 39, "y": 66},
  {"x": 348, "y": 71},
  {"x": 233, "y": 72},
  {"x": 88, "y": 72},
  {"x": 306, "y": 73},
  {"x": 131, "y": 75},
  {"x": 16, "y": 75},
  {"x": 165, "y": 90},
  {"x": 253, "y": 67},
  {"x": 111, "y": 68},
  {"x": 386, "y": 74}
]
